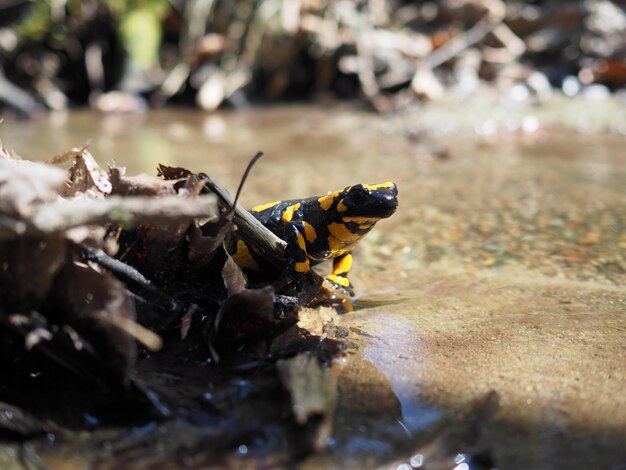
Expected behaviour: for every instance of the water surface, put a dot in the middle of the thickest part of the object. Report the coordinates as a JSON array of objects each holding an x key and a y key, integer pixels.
[{"x": 503, "y": 268}]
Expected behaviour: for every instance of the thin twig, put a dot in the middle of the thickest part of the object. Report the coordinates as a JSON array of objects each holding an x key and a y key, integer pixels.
[
  {"x": 250, "y": 229},
  {"x": 129, "y": 275},
  {"x": 256, "y": 157},
  {"x": 459, "y": 43},
  {"x": 117, "y": 267}
]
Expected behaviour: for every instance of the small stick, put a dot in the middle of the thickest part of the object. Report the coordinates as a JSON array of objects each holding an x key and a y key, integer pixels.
[
  {"x": 251, "y": 230},
  {"x": 64, "y": 214},
  {"x": 258, "y": 155},
  {"x": 493, "y": 18},
  {"x": 119, "y": 268},
  {"x": 126, "y": 273},
  {"x": 459, "y": 43}
]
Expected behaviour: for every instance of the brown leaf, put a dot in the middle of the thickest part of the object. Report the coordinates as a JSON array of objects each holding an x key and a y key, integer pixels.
[
  {"x": 139, "y": 185},
  {"x": 233, "y": 276},
  {"x": 172, "y": 172},
  {"x": 29, "y": 267},
  {"x": 247, "y": 313},
  {"x": 204, "y": 240},
  {"x": 85, "y": 174},
  {"x": 192, "y": 185},
  {"x": 99, "y": 308},
  {"x": 24, "y": 184}
]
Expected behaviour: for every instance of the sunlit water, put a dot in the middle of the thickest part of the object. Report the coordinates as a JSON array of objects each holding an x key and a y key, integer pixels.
[
  {"x": 395, "y": 340},
  {"x": 502, "y": 269}
]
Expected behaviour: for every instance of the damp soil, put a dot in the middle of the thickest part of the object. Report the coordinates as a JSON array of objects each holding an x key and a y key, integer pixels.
[{"x": 503, "y": 269}]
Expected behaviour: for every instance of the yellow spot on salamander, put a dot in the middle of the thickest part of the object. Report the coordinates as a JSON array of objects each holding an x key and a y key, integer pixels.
[
  {"x": 374, "y": 187},
  {"x": 342, "y": 233},
  {"x": 288, "y": 214},
  {"x": 243, "y": 258},
  {"x": 301, "y": 243},
  {"x": 326, "y": 202},
  {"x": 309, "y": 232},
  {"x": 302, "y": 267},
  {"x": 339, "y": 247},
  {"x": 342, "y": 265},
  {"x": 362, "y": 220},
  {"x": 340, "y": 237},
  {"x": 341, "y": 280},
  {"x": 341, "y": 207},
  {"x": 262, "y": 207}
]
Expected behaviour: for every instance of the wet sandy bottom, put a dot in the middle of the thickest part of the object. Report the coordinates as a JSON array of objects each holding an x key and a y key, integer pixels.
[{"x": 553, "y": 350}]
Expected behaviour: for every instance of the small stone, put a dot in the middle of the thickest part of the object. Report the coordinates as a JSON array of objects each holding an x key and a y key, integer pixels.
[
  {"x": 591, "y": 238},
  {"x": 489, "y": 261}
]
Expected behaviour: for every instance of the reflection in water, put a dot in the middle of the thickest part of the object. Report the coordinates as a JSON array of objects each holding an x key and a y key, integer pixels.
[{"x": 395, "y": 349}]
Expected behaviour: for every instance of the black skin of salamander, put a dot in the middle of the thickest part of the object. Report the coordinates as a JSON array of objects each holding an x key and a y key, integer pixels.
[{"x": 358, "y": 201}]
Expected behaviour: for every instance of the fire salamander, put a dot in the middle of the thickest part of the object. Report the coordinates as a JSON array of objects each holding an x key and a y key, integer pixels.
[{"x": 320, "y": 228}]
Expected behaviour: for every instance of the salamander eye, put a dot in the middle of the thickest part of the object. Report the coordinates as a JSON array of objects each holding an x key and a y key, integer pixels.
[{"x": 358, "y": 196}]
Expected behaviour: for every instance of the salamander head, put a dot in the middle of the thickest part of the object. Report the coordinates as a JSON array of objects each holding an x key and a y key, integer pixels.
[
  {"x": 368, "y": 201},
  {"x": 351, "y": 213}
]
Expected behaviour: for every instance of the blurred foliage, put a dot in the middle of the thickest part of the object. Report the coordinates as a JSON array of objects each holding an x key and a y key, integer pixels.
[
  {"x": 222, "y": 52},
  {"x": 139, "y": 23},
  {"x": 140, "y": 29},
  {"x": 38, "y": 22}
]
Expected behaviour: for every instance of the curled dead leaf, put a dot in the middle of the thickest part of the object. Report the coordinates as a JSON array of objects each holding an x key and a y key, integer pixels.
[{"x": 233, "y": 276}]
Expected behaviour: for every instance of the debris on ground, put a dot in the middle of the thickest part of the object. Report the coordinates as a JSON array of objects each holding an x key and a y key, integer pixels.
[
  {"x": 121, "y": 57},
  {"x": 111, "y": 285}
]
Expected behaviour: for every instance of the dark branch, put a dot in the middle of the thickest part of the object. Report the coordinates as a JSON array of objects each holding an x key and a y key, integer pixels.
[{"x": 249, "y": 228}]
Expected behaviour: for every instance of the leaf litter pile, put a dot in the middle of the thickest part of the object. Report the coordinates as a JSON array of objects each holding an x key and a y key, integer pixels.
[{"x": 120, "y": 309}]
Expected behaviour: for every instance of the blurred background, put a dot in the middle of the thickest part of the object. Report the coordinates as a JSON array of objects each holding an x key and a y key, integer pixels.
[{"x": 128, "y": 55}]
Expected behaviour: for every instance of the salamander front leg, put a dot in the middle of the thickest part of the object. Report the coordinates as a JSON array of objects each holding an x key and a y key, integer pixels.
[
  {"x": 297, "y": 257},
  {"x": 339, "y": 276}
]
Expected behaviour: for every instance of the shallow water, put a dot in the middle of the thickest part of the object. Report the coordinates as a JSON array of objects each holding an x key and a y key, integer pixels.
[{"x": 503, "y": 268}]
